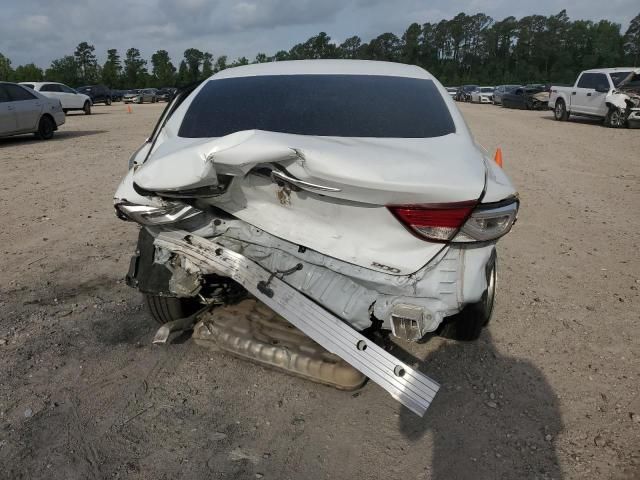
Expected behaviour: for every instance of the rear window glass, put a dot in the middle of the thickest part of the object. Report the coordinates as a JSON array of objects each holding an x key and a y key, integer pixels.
[{"x": 323, "y": 105}]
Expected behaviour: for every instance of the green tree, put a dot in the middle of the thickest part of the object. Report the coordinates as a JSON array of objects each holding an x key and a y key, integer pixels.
[
  {"x": 350, "y": 48},
  {"x": 28, "y": 73},
  {"x": 135, "y": 69},
  {"x": 183, "y": 74},
  {"x": 261, "y": 58},
  {"x": 164, "y": 73},
  {"x": 411, "y": 44},
  {"x": 384, "y": 47},
  {"x": 207, "y": 65},
  {"x": 112, "y": 69},
  {"x": 87, "y": 63},
  {"x": 193, "y": 58},
  {"x": 64, "y": 70},
  {"x": 5, "y": 68},
  {"x": 281, "y": 56},
  {"x": 240, "y": 61},
  {"x": 221, "y": 63},
  {"x": 631, "y": 41},
  {"x": 319, "y": 46}
]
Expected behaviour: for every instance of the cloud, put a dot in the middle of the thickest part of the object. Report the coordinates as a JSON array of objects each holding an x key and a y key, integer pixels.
[{"x": 41, "y": 30}]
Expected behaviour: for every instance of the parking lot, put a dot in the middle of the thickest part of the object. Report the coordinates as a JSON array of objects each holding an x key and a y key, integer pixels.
[{"x": 551, "y": 390}]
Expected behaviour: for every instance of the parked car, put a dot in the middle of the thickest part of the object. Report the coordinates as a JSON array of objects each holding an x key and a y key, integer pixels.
[
  {"x": 482, "y": 95},
  {"x": 97, "y": 93},
  {"x": 464, "y": 92},
  {"x": 272, "y": 176},
  {"x": 24, "y": 110},
  {"x": 609, "y": 94},
  {"x": 69, "y": 98},
  {"x": 500, "y": 90},
  {"x": 529, "y": 97},
  {"x": 452, "y": 91},
  {"x": 116, "y": 95},
  {"x": 165, "y": 94},
  {"x": 140, "y": 96}
]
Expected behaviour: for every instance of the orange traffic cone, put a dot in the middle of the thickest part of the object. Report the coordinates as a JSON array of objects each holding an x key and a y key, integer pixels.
[
  {"x": 498, "y": 157},
  {"x": 129, "y": 109}
]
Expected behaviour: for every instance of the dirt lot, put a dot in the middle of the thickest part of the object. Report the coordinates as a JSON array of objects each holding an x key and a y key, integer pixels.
[{"x": 550, "y": 391}]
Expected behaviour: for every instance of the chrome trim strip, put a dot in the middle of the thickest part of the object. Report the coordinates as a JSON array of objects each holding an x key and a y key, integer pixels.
[
  {"x": 410, "y": 387},
  {"x": 283, "y": 177}
]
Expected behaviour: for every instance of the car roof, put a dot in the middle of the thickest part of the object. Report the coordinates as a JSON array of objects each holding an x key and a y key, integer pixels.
[
  {"x": 325, "y": 67},
  {"x": 613, "y": 70},
  {"x": 35, "y": 84}
]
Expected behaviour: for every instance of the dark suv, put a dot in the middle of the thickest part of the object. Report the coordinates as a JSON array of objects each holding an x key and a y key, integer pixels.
[{"x": 98, "y": 93}]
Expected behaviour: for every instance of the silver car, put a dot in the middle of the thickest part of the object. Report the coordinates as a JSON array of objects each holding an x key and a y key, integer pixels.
[
  {"x": 141, "y": 96},
  {"x": 23, "y": 110}
]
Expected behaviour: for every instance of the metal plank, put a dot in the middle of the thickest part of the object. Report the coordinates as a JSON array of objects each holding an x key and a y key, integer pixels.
[{"x": 407, "y": 385}]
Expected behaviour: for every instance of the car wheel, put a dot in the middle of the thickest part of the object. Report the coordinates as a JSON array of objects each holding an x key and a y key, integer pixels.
[
  {"x": 467, "y": 324},
  {"x": 87, "y": 108},
  {"x": 46, "y": 127},
  {"x": 560, "y": 112},
  {"x": 614, "y": 118},
  {"x": 167, "y": 309},
  {"x": 108, "y": 101}
]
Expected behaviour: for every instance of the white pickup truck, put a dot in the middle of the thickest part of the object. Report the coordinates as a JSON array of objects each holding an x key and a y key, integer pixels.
[{"x": 611, "y": 94}]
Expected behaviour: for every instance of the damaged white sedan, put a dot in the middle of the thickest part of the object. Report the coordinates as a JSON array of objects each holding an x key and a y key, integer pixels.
[{"x": 347, "y": 196}]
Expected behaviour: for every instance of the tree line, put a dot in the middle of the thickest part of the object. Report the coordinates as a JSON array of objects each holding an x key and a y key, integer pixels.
[{"x": 464, "y": 49}]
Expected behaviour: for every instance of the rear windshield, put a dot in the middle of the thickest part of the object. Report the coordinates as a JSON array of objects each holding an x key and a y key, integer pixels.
[{"x": 323, "y": 105}]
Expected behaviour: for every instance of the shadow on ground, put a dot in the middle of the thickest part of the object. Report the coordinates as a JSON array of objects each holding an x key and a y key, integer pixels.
[
  {"x": 486, "y": 425},
  {"x": 59, "y": 135}
]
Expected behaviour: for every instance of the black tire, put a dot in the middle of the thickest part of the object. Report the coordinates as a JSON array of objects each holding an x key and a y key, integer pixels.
[
  {"x": 46, "y": 127},
  {"x": 167, "y": 309},
  {"x": 87, "y": 108},
  {"x": 560, "y": 112},
  {"x": 467, "y": 324},
  {"x": 614, "y": 119}
]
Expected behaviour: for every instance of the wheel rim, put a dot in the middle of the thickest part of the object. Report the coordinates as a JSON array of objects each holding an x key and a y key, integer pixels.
[
  {"x": 559, "y": 110},
  {"x": 616, "y": 118}
]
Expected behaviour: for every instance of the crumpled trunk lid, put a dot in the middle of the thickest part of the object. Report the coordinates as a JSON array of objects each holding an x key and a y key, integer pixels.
[{"x": 349, "y": 220}]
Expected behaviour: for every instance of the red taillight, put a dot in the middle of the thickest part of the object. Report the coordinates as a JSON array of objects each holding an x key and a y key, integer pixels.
[{"x": 438, "y": 222}]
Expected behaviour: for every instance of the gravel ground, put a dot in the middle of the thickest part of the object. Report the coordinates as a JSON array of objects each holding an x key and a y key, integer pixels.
[{"x": 551, "y": 390}]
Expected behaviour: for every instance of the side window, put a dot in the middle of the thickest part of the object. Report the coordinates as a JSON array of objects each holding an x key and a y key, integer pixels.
[
  {"x": 50, "y": 87},
  {"x": 66, "y": 89},
  {"x": 4, "y": 96},
  {"x": 600, "y": 80},
  {"x": 587, "y": 80},
  {"x": 17, "y": 93}
]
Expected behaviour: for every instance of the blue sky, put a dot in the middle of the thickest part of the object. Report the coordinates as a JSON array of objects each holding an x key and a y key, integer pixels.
[{"x": 40, "y": 30}]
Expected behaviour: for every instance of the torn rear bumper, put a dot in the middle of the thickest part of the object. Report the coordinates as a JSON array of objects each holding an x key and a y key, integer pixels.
[{"x": 410, "y": 387}]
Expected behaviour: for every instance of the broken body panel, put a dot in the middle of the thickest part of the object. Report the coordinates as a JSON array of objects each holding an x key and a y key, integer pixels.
[{"x": 328, "y": 217}]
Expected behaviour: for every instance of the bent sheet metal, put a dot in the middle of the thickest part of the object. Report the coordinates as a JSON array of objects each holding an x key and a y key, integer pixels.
[{"x": 410, "y": 387}]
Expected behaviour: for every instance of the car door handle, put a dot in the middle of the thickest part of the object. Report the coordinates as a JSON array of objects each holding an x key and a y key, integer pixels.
[
  {"x": 278, "y": 176},
  {"x": 589, "y": 94},
  {"x": 573, "y": 93},
  {"x": 9, "y": 107}
]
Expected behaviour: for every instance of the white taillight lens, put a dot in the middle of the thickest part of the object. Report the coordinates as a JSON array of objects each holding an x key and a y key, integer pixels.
[
  {"x": 146, "y": 215},
  {"x": 489, "y": 222}
]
